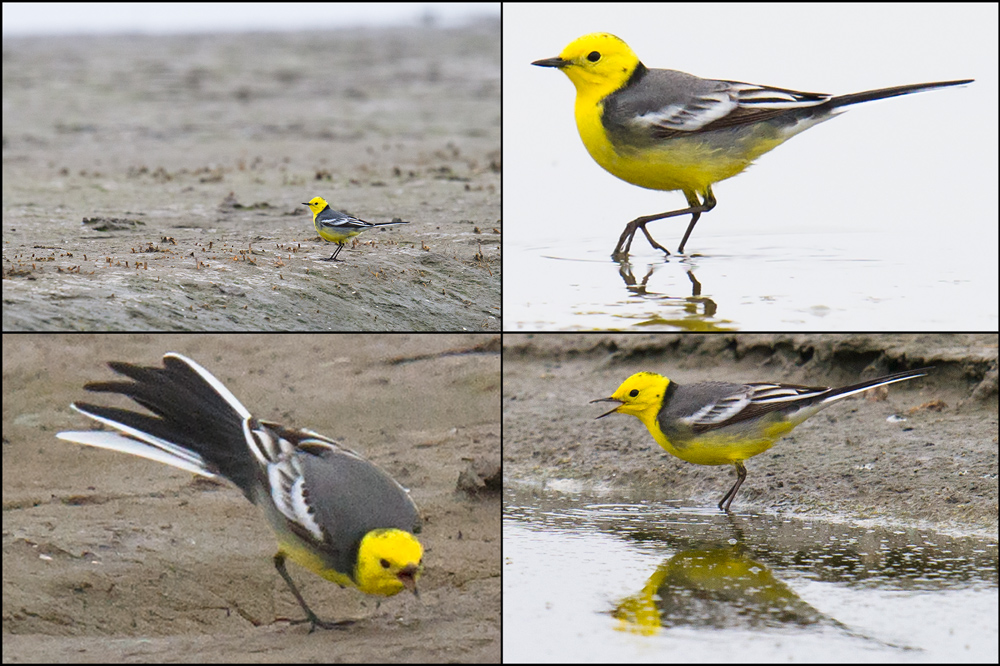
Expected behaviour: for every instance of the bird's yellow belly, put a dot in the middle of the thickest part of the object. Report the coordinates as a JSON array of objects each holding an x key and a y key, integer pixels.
[
  {"x": 688, "y": 163},
  {"x": 337, "y": 235},
  {"x": 721, "y": 447}
]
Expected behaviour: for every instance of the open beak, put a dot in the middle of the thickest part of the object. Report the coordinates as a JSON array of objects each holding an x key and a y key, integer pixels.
[
  {"x": 408, "y": 577},
  {"x": 607, "y": 400}
]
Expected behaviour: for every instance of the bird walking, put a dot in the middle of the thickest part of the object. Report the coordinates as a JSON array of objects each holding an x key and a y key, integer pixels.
[
  {"x": 667, "y": 130},
  {"x": 722, "y": 423}
]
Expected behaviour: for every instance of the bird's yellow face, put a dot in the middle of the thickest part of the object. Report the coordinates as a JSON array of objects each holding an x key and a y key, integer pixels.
[
  {"x": 598, "y": 63},
  {"x": 389, "y": 560},
  {"x": 316, "y": 204},
  {"x": 640, "y": 395}
]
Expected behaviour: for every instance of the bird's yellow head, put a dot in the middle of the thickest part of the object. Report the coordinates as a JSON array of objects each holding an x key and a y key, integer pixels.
[
  {"x": 316, "y": 204},
  {"x": 598, "y": 63},
  {"x": 389, "y": 560},
  {"x": 641, "y": 395}
]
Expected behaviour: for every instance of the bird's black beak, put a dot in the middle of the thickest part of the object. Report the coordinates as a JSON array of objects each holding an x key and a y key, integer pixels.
[
  {"x": 551, "y": 62},
  {"x": 613, "y": 411}
]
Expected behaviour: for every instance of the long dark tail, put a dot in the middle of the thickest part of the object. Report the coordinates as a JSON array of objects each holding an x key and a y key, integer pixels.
[
  {"x": 882, "y": 93},
  {"x": 192, "y": 408},
  {"x": 845, "y": 391}
]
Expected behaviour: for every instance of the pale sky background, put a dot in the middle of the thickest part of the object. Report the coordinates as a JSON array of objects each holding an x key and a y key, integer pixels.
[{"x": 165, "y": 18}]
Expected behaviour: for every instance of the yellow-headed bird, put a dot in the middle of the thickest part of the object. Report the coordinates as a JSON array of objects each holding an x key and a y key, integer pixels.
[
  {"x": 337, "y": 227},
  {"x": 666, "y": 130},
  {"x": 332, "y": 511},
  {"x": 721, "y": 423}
]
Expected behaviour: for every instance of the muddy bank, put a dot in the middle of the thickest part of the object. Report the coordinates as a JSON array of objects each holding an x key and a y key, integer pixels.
[{"x": 939, "y": 465}]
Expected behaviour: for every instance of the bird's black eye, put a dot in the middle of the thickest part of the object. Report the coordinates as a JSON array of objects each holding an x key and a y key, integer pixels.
[
  {"x": 384, "y": 563},
  {"x": 593, "y": 56},
  {"x": 634, "y": 392}
]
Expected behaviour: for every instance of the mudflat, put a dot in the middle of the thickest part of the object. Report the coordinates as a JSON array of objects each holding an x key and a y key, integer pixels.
[
  {"x": 109, "y": 557},
  {"x": 190, "y": 157}
]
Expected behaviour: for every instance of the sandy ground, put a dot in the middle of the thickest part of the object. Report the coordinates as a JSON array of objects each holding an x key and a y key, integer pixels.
[
  {"x": 202, "y": 150},
  {"x": 111, "y": 558},
  {"x": 939, "y": 468}
]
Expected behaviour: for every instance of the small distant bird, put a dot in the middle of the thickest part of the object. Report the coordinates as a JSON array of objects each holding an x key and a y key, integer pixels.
[{"x": 337, "y": 227}]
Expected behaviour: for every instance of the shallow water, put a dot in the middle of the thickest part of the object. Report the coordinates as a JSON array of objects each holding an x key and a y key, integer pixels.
[
  {"x": 840, "y": 281},
  {"x": 599, "y": 579}
]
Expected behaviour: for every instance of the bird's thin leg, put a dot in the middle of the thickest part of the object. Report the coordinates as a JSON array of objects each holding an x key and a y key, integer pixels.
[
  {"x": 333, "y": 257},
  {"x": 741, "y": 474},
  {"x": 708, "y": 205},
  {"x": 695, "y": 209},
  {"x": 279, "y": 564}
]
